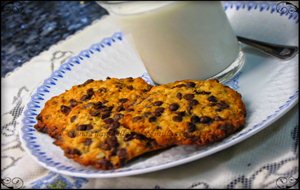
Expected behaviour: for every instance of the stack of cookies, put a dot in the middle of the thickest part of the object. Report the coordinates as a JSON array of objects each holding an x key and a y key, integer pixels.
[{"x": 107, "y": 123}]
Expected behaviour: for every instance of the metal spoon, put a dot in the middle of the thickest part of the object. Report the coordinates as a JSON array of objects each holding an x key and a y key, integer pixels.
[{"x": 280, "y": 51}]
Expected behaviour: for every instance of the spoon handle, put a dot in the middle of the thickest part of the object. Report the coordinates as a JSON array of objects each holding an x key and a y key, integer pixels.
[{"x": 280, "y": 51}]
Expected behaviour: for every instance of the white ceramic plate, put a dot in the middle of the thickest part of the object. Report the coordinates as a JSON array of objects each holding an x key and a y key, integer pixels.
[{"x": 269, "y": 87}]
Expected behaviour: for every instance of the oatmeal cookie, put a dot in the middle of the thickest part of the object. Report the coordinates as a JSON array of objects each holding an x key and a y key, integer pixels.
[
  {"x": 188, "y": 112},
  {"x": 95, "y": 135},
  {"x": 52, "y": 118}
]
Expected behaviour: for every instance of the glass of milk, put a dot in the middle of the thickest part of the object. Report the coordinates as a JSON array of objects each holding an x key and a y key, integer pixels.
[{"x": 180, "y": 40}]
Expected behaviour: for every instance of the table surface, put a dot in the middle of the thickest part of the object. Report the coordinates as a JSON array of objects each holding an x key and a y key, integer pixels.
[{"x": 25, "y": 34}]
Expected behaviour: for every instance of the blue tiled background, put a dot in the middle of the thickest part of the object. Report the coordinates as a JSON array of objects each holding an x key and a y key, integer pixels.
[{"x": 30, "y": 27}]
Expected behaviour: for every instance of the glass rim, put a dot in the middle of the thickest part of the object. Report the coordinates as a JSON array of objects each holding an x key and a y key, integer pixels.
[
  {"x": 125, "y": 8},
  {"x": 113, "y": 2}
]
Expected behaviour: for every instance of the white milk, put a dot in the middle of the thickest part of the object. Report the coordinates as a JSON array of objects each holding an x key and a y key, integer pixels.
[{"x": 180, "y": 40}]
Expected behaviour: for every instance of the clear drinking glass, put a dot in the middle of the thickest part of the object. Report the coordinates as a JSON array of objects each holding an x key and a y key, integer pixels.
[{"x": 180, "y": 40}]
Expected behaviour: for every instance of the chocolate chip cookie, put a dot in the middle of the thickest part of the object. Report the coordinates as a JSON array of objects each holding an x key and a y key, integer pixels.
[
  {"x": 188, "y": 112},
  {"x": 95, "y": 136},
  {"x": 53, "y": 116}
]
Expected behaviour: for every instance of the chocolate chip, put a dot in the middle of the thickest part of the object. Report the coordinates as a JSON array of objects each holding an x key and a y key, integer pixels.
[
  {"x": 112, "y": 141},
  {"x": 212, "y": 104},
  {"x": 123, "y": 100},
  {"x": 158, "y": 103},
  {"x": 42, "y": 129},
  {"x": 136, "y": 118},
  {"x": 195, "y": 119},
  {"x": 94, "y": 112},
  {"x": 202, "y": 92},
  {"x": 98, "y": 105},
  {"x": 74, "y": 151},
  {"x": 222, "y": 105},
  {"x": 87, "y": 82},
  {"x": 173, "y": 107},
  {"x": 104, "y": 164},
  {"x": 194, "y": 102},
  {"x": 105, "y": 114},
  {"x": 128, "y": 136},
  {"x": 39, "y": 117},
  {"x": 152, "y": 119},
  {"x": 191, "y": 127},
  {"x": 118, "y": 116},
  {"x": 158, "y": 127},
  {"x": 73, "y": 103},
  {"x": 205, "y": 93},
  {"x": 89, "y": 127},
  {"x": 130, "y": 79},
  {"x": 181, "y": 113},
  {"x": 120, "y": 108},
  {"x": 107, "y": 78},
  {"x": 205, "y": 119},
  {"x": 113, "y": 152},
  {"x": 147, "y": 114},
  {"x": 90, "y": 92},
  {"x": 130, "y": 87},
  {"x": 191, "y": 84},
  {"x": 73, "y": 118},
  {"x": 177, "y": 118},
  {"x": 107, "y": 109},
  {"x": 180, "y": 85},
  {"x": 159, "y": 111},
  {"x": 179, "y": 95},
  {"x": 85, "y": 98},
  {"x": 87, "y": 141},
  {"x": 113, "y": 132},
  {"x": 72, "y": 134},
  {"x": 104, "y": 146},
  {"x": 189, "y": 108},
  {"x": 212, "y": 99},
  {"x": 68, "y": 150},
  {"x": 108, "y": 120},
  {"x": 188, "y": 96},
  {"x": 84, "y": 127},
  {"x": 122, "y": 153},
  {"x": 140, "y": 136},
  {"x": 115, "y": 125},
  {"x": 65, "y": 109}
]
